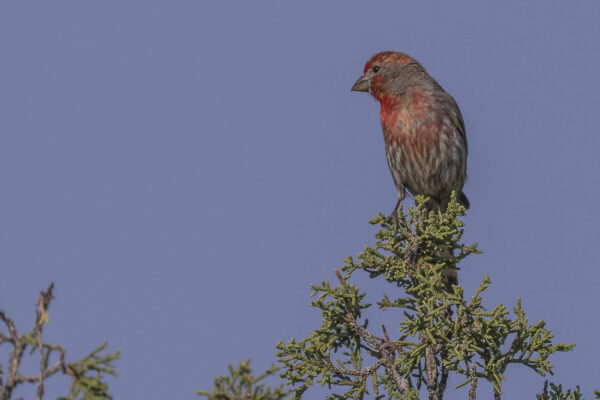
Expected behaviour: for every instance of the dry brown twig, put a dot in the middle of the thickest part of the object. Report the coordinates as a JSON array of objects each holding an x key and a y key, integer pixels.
[
  {"x": 34, "y": 338},
  {"x": 381, "y": 349}
]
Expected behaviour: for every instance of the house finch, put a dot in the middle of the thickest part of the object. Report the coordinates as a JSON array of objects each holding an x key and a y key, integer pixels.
[{"x": 423, "y": 130}]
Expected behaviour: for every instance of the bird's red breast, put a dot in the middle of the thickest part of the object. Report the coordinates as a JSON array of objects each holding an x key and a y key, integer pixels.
[{"x": 408, "y": 118}]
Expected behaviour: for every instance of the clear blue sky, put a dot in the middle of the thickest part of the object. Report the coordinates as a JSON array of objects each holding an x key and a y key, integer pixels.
[{"x": 184, "y": 170}]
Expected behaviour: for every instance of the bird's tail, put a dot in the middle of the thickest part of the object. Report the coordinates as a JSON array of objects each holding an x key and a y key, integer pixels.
[
  {"x": 441, "y": 204},
  {"x": 450, "y": 274},
  {"x": 462, "y": 199}
]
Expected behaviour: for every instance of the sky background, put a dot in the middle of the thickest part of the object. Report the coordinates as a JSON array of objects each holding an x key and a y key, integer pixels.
[{"x": 184, "y": 170}]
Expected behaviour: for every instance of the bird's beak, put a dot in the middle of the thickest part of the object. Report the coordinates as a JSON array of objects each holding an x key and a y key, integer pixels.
[{"x": 361, "y": 85}]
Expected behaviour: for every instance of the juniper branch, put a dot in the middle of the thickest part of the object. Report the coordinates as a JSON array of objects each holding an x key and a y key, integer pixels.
[
  {"x": 442, "y": 332},
  {"x": 78, "y": 370}
]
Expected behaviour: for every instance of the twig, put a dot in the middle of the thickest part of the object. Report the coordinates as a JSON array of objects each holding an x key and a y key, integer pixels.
[
  {"x": 385, "y": 353},
  {"x": 14, "y": 358},
  {"x": 375, "y": 385},
  {"x": 2, "y": 390},
  {"x": 35, "y": 378},
  {"x": 40, "y": 318},
  {"x": 443, "y": 373},
  {"x": 4, "y": 338},
  {"x": 362, "y": 372},
  {"x": 373, "y": 340},
  {"x": 13, "y": 378},
  {"x": 544, "y": 394},
  {"x": 389, "y": 341}
]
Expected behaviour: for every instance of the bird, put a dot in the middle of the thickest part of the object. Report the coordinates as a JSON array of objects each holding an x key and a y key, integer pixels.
[{"x": 423, "y": 130}]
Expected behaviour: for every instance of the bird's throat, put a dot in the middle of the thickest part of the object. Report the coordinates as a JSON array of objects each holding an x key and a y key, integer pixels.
[{"x": 391, "y": 107}]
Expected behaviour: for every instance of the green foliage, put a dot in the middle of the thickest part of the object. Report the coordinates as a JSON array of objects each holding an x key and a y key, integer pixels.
[
  {"x": 557, "y": 393},
  {"x": 86, "y": 374},
  {"x": 87, "y": 383},
  {"x": 241, "y": 385},
  {"x": 441, "y": 332}
]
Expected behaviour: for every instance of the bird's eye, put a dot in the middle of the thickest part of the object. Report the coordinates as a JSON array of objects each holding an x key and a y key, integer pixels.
[{"x": 376, "y": 68}]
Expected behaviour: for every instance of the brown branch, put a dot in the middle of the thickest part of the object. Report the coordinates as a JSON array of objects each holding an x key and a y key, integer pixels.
[
  {"x": 362, "y": 372},
  {"x": 40, "y": 318},
  {"x": 437, "y": 380},
  {"x": 13, "y": 378},
  {"x": 46, "y": 374},
  {"x": 40, "y": 388},
  {"x": 432, "y": 372},
  {"x": 443, "y": 372},
  {"x": 400, "y": 382},
  {"x": 15, "y": 356},
  {"x": 4, "y": 338},
  {"x": 544, "y": 394},
  {"x": 387, "y": 337},
  {"x": 473, "y": 388},
  {"x": 389, "y": 341},
  {"x": 373, "y": 340},
  {"x": 385, "y": 353}
]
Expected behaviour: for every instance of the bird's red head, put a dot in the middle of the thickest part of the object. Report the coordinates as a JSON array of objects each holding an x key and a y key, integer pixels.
[
  {"x": 382, "y": 67},
  {"x": 386, "y": 57}
]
